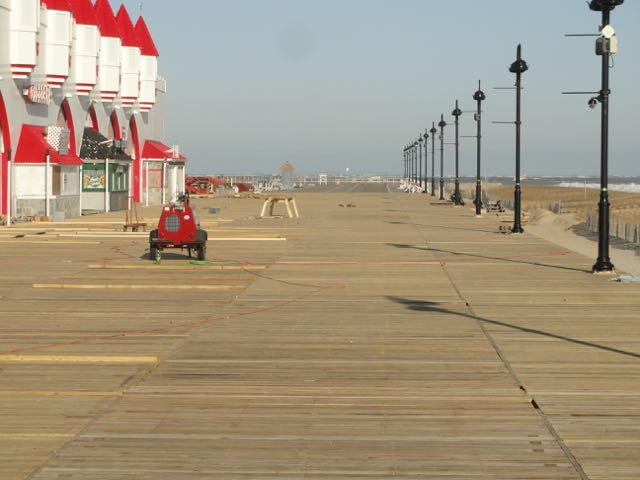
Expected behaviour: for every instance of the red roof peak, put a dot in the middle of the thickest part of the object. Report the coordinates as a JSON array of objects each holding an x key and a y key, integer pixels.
[
  {"x": 159, "y": 151},
  {"x": 83, "y": 12},
  {"x": 106, "y": 19},
  {"x": 129, "y": 38},
  {"x": 57, "y": 5},
  {"x": 147, "y": 47}
]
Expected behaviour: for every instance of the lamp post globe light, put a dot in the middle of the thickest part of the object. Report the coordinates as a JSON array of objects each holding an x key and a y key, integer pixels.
[
  {"x": 457, "y": 198},
  {"x": 433, "y": 158},
  {"x": 442, "y": 124},
  {"x": 420, "y": 140},
  {"x": 425, "y": 137},
  {"x": 604, "y": 48},
  {"x": 518, "y": 67},
  {"x": 479, "y": 96}
]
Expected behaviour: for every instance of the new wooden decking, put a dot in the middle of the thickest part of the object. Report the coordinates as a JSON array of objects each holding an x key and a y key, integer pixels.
[{"x": 393, "y": 339}]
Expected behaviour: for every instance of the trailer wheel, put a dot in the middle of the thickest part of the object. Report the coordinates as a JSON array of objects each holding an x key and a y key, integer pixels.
[{"x": 155, "y": 254}]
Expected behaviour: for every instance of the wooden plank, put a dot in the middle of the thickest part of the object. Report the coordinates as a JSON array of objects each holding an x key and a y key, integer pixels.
[
  {"x": 425, "y": 364},
  {"x": 106, "y": 286}
]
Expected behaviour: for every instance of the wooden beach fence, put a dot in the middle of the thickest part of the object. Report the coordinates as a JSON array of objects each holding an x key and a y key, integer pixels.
[{"x": 617, "y": 228}]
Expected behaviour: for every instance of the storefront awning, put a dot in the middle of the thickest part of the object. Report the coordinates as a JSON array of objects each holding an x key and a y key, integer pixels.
[
  {"x": 96, "y": 146},
  {"x": 33, "y": 148},
  {"x": 154, "y": 150}
]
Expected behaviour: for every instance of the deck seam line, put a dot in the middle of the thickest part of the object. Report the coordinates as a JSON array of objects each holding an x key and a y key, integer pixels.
[
  {"x": 543, "y": 417},
  {"x": 536, "y": 406}
]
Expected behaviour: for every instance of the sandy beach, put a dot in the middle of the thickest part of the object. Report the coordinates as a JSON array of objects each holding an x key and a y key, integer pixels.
[{"x": 557, "y": 229}]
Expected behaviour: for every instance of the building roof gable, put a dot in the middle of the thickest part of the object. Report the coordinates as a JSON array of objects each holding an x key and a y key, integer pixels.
[
  {"x": 83, "y": 12},
  {"x": 57, "y": 5},
  {"x": 106, "y": 19},
  {"x": 147, "y": 46},
  {"x": 128, "y": 34}
]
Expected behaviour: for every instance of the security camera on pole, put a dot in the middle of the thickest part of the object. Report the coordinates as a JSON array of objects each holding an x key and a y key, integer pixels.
[{"x": 606, "y": 45}]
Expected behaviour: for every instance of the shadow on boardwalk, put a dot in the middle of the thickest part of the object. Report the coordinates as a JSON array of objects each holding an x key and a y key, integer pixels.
[
  {"x": 427, "y": 306},
  {"x": 487, "y": 257}
]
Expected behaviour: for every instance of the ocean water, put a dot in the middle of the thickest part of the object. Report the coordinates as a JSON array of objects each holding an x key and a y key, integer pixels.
[
  {"x": 613, "y": 187},
  {"x": 616, "y": 183}
]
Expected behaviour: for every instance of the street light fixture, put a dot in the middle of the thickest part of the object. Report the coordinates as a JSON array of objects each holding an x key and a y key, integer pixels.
[
  {"x": 605, "y": 46},
  {"x": 425, "y": 137},
  {"x": 442, "y": 124},
  {"x": 457, "y": 198},
  {"x": 479, "y": 96},
  {"x": 433, "y": 158},
  {"x": 518, "y": 67}
]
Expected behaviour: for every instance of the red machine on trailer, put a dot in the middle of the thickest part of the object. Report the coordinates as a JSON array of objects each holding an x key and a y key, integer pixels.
[{"x": 178, "y": 227}]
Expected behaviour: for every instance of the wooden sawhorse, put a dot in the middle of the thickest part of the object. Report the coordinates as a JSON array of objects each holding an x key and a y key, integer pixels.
[{"x": 270, "y": 203}]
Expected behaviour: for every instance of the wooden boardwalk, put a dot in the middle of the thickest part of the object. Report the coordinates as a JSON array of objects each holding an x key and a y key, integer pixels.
[{"x": 393, "y": 339}]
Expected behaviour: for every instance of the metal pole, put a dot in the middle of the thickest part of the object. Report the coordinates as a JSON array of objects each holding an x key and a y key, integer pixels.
[
  {"x": 411, "y": 162},
  {"x": 410, "y": 147},
  {"x": 47, "y": 165},
  {"x": 146, "y": 181},
  {"x": 415, "y": 162},
  {"x": 420, "y": 161},
  {"x": 442, "y": 124},
  {"x": 8, "y": 173},
  {"x": 518, "y": 67},
  {"x": 433, "y": 158},
  {"x": 478, "y": 97},
  {"x": 404, "y": 162},
  {"x": 457, "y": 198},
  {"x": 106, "y": 186},
  {"x": 425, "y": 180},
  {"x": 603, "y": 263}
]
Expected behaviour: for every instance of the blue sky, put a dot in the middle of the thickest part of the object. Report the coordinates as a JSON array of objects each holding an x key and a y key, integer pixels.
[{"x": 336, "y": 84}]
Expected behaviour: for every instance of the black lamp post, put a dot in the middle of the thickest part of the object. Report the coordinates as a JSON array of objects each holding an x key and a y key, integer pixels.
[
  {"x": 457, "y": 198},
  {"x": 603, "y": 263},
  {"x": 420, "y": 160},
  {"x": 415, "y": 161},
  {"x": 406, "y": 163},
  {"x": 433, "y": 158},
  {"x": 406, "y": 160},
  {"x": 478, "y": 97},
  {"x": 442, "y": 124},
  {"x": 518, "y": 67},
  {"x": 425, "y": 137}
]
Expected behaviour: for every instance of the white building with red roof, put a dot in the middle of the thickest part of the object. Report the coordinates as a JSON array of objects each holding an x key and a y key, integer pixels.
[
  {"x": 130, "y": 59},
  {"x": 70, "y": 70},
  {"x": 85, "y": 47}
]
